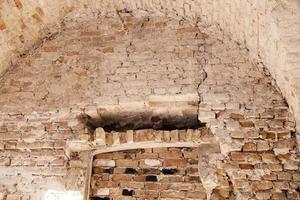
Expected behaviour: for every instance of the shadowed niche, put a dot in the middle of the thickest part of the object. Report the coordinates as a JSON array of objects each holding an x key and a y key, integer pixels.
[{"x": 141, "y": 120}]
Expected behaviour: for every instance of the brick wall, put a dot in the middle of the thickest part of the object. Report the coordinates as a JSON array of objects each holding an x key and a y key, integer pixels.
[
  {"x": 101, "y": 65},
  {"x": 267, "y": 28},
  {"x": 83, "y": 70},
  {"x": 159, "y": 173}
]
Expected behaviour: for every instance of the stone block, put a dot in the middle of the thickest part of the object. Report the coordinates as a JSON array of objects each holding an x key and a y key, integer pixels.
[
  {"x": 174, "y": 135},
  {"x": 262, "y": 185},
  {"x": 101, "y": 192},
  {"x": 152, "y": 162},
  {"x": 100, "y": 137},
  {"x": 129, "y": 136},
  {"x": 206, "y": 116},
  {"x": 104, "y": 163},
  {"x": 116, "y": 138}
]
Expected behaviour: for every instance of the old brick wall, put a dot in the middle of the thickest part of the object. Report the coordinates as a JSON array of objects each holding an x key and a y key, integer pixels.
[
  {"x": 267, "y": 28},
  {"x": 158, "y": 173},
  {"x": 253, "y": 123},
  {"x": 116, "y": 60},
  {"x": 123, "y": 58}
]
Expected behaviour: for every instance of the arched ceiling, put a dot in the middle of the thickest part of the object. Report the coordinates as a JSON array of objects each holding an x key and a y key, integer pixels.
[{"x": 269, "y": 29}]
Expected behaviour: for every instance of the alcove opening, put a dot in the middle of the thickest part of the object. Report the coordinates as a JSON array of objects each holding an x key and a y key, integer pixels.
[
  {"x": 146, "y": 173},
  {"x": 121, "y": 122}
]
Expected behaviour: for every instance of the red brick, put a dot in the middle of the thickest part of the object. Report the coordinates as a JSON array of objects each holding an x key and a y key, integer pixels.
[
  {"x": 284, "y": 176},
  {"x": 50, "y": 49},
  {"x": 238, "y": 156},
  {"x": 268, "y": 135},
  {"x": 172, "y": 194},
  {"x": 121, "y": 177},
  {"x": 275, "y": 167},
  {"x": 182, "y": 186},
  {"x": 196, "y": 195},
  {"x": 287, "y": 143},
  {"x": 270, "y": 177},
  {"x": 187, "y": 30},
  {"x": 262, "y": 185},
  {"x": 251, "y": 134},
  {"x": 283, "y": 135},
  {"x": 246, "y": 166},
  {"x": 170, "y": 154},
  {"x": 249, "y": 146},
  {"x": 281, "y": 185},
  {"x": 236, "y": 116},
  {"x": 160, "y": 24},
  {"x": 127, "y": 163},
  {"x": 263, "y": 146},
  {"x": 108, "y": 50},
  {"x": 296, "y": 176},
  {"x": 246, "y": 123},
  {"x": 175, "y": 162}
]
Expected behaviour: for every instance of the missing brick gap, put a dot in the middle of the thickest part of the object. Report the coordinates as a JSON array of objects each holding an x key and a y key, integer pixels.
[{"x": 121, "y": 122}]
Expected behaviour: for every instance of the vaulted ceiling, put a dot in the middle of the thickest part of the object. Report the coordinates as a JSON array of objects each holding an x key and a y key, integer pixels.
[{"x": 269, "y": 29}]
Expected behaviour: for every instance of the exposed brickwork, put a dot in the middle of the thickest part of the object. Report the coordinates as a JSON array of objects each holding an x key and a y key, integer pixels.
[
  {"x": 253, "y": 124},
  {"x": 160, "y": 173},
  {"x": 102, "y": 140},
  {"x": 125, "y": 58},
  {"x": 267, "y": 28},
  {"x": 33, "y": 134},
  {"x": 121, "y": 65}
]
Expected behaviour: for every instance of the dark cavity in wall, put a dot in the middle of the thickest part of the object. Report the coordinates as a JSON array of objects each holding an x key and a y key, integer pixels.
[
  {"x": 99, "y": 198},
  {"x": 126, "y": 192},
  {"x": 141, "y": 120}
]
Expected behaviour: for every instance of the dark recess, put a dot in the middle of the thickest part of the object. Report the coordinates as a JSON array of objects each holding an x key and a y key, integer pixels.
[
  {"x": 99, "y": 198},
  {"x": 151, "y": 178},
  {"x": 169, "y": 171},
  {"x": 136, "y": 121},
  {"x": 126, "y": 192},
  {"x": 130, "y": 171}
]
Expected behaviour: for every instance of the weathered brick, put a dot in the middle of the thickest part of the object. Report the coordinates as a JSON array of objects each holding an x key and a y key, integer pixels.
[
  {"x": 286, "y": 143},
  {"x": 262, "y": 185},
  {"x": 104, "y": 163},
  {"x": 246, "y": 124},
  {"x": 263, "y": 146},
  {"x": 281, "y": 185},
  {"x": 174, "y": 162},
  {"x": 172, "y": 194},
  {"x": 249, "y": 146},
  {"x": 126, "y": 163}
]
